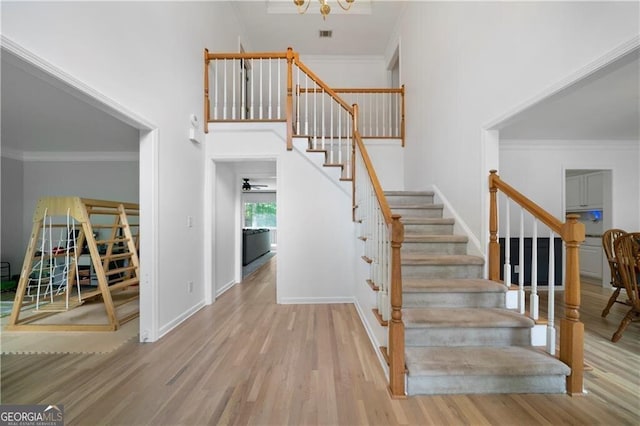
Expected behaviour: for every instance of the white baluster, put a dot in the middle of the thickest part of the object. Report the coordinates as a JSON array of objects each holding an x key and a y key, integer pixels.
[
  {"x": 521, "y": 261},
  {"x": 233, "y": 89},
  {"x": 279, "y": 90},
  {"x": 506, "y": 270},
  {"x": 534, "y": 271},
  {"x": 332, "y": 144},
  {"x": 224, "y": 101},
  {"x": 298, "y": 101},
  {"x": 398, "y": 114},
  {"x": 251, "y": 107},
  {"x": 306, "y": 105},
  {"x": 243, "y": 91},
  {"x": 270, "y": 100},
  {"x": 215, "y": 95},
  {"x": 340, "y": 111},
  {"x": 384, "y": 115},
  {"x": 324, "y": 127},
  {"x": 370, "y": 115},
  {"x": 260, "y": 106},
  {"x": 315, "y": 118},
  {"x": 551, "y": 331}
]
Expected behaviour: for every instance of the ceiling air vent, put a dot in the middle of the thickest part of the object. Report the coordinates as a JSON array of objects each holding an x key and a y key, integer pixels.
[{"x": 326, "y": 33}]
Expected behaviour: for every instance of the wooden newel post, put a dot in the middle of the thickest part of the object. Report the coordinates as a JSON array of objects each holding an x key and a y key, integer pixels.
[
  {"x": 206, "y": 91},
  {"x": 396, "y": 326},
  {"x": 289, "y": 106},
  {"x": 571, "y": 329},
  {"x": 494, "y": 247}
]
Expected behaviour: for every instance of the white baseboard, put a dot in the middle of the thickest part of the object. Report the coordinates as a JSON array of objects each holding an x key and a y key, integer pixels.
[
  {"x": 372, "y": 338},
  {"x": 461, "y": 224},
  {"x": 224, "y": 288},
  {"x": 164, "y": 330}
]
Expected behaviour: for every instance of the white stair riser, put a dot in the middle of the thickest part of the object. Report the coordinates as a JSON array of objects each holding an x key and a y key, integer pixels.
[
  {"x": 468, "y": 384},
  {"x": 434, "y": 248},
  {"x": 453, "y": 300},
  {"x": 442, "y": 271},
  {"x": 468, "y": 336}
]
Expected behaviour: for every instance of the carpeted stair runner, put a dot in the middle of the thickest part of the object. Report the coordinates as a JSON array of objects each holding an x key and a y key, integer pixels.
[{"x": 459, "y": 337}]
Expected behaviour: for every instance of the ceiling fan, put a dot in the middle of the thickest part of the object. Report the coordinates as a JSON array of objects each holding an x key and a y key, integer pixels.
[{"x": 246, "y": 186}]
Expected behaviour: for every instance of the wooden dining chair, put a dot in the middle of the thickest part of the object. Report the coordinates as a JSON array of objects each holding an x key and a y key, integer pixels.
[
  {"x": 627, "y": 249},
  {"x": 608, "y": 239}
]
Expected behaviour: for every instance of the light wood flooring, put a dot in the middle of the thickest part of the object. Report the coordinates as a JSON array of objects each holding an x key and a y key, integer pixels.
[{"x": 246, "y": 360}]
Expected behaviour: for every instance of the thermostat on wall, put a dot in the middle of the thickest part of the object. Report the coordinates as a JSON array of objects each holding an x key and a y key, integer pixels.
[{"x": 193, "y": 131}]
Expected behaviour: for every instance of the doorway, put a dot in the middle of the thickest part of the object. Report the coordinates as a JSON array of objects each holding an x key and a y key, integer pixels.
[
  {"x": 588, "y": 194},
  {"x": 229, "y": 217},
  {"x": 146, "y": 140}
]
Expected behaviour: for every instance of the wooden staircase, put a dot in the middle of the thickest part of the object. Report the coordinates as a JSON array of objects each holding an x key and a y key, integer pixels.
[{"x": 459, "y": 337}]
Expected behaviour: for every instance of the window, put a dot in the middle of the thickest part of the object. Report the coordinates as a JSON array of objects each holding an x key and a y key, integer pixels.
[{"x": 259, "y": 215}]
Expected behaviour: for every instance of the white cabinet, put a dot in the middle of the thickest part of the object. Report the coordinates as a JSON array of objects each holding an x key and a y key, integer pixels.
[
  {"x": 591, "y": 258},
  {"x": 594, "y": 190},
  {"x": 585, "y": 192}
]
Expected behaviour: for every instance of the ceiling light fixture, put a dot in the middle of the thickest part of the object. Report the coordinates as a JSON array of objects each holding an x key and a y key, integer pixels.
[{"x": 325, "y": 9}]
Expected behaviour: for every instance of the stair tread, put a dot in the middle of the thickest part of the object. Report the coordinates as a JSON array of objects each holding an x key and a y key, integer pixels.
[
  {"x": 439, "y": 285},
  {"x": 441, "y": 259},
  {"x": 408, "y": 193},
  {"x": 463, "y": 317},
  {"x": 465, "y": 361},
  {"x": 423, "y": 206},
  {"x": 428, "y": 238}
]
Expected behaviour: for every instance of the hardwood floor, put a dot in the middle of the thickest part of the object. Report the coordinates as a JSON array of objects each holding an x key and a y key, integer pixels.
[{"x": 246, "y": 360}]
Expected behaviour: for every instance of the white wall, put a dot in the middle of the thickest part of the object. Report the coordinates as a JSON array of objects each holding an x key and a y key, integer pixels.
[
  {"x": 108, "y": 180},
  {"x": 226, "y": 229},
  {"x": 387, "y": 157},
  {"x": 465, "y": 64},
  {"x": 315, "y": 259},
  {"x": 547, "y": 160},
  {"x": 348, "y": 71},
  {"x": 146, "y": 56},
  {"x": 12, "y": 247}
]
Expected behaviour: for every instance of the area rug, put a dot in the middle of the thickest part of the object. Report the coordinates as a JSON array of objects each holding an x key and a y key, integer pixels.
[{"x": 63, "y": 342}]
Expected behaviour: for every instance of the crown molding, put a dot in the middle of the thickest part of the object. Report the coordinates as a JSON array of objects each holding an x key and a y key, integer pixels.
[
  {"x": 58, "y": 156},
  {"x": 568, "y": 144}
]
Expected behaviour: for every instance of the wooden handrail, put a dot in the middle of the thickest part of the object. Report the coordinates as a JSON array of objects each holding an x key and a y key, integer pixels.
[
  {"x": 355, "y": 90},
  {"x": 545, "y": 217},
  {"x": 572, "y": 233},
  {"x": 328, "y": 90},
  {"x": 244, "y": 55}
]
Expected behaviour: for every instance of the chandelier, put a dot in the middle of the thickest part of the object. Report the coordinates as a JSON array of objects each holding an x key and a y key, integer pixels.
[{"x": 325, "y": 9}]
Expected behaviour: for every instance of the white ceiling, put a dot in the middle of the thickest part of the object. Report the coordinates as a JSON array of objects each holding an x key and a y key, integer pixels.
[
  {"x": 38, "y": 117},
  {"x": 365, "y": 30},
  {"x": 602, "y": 106}
]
